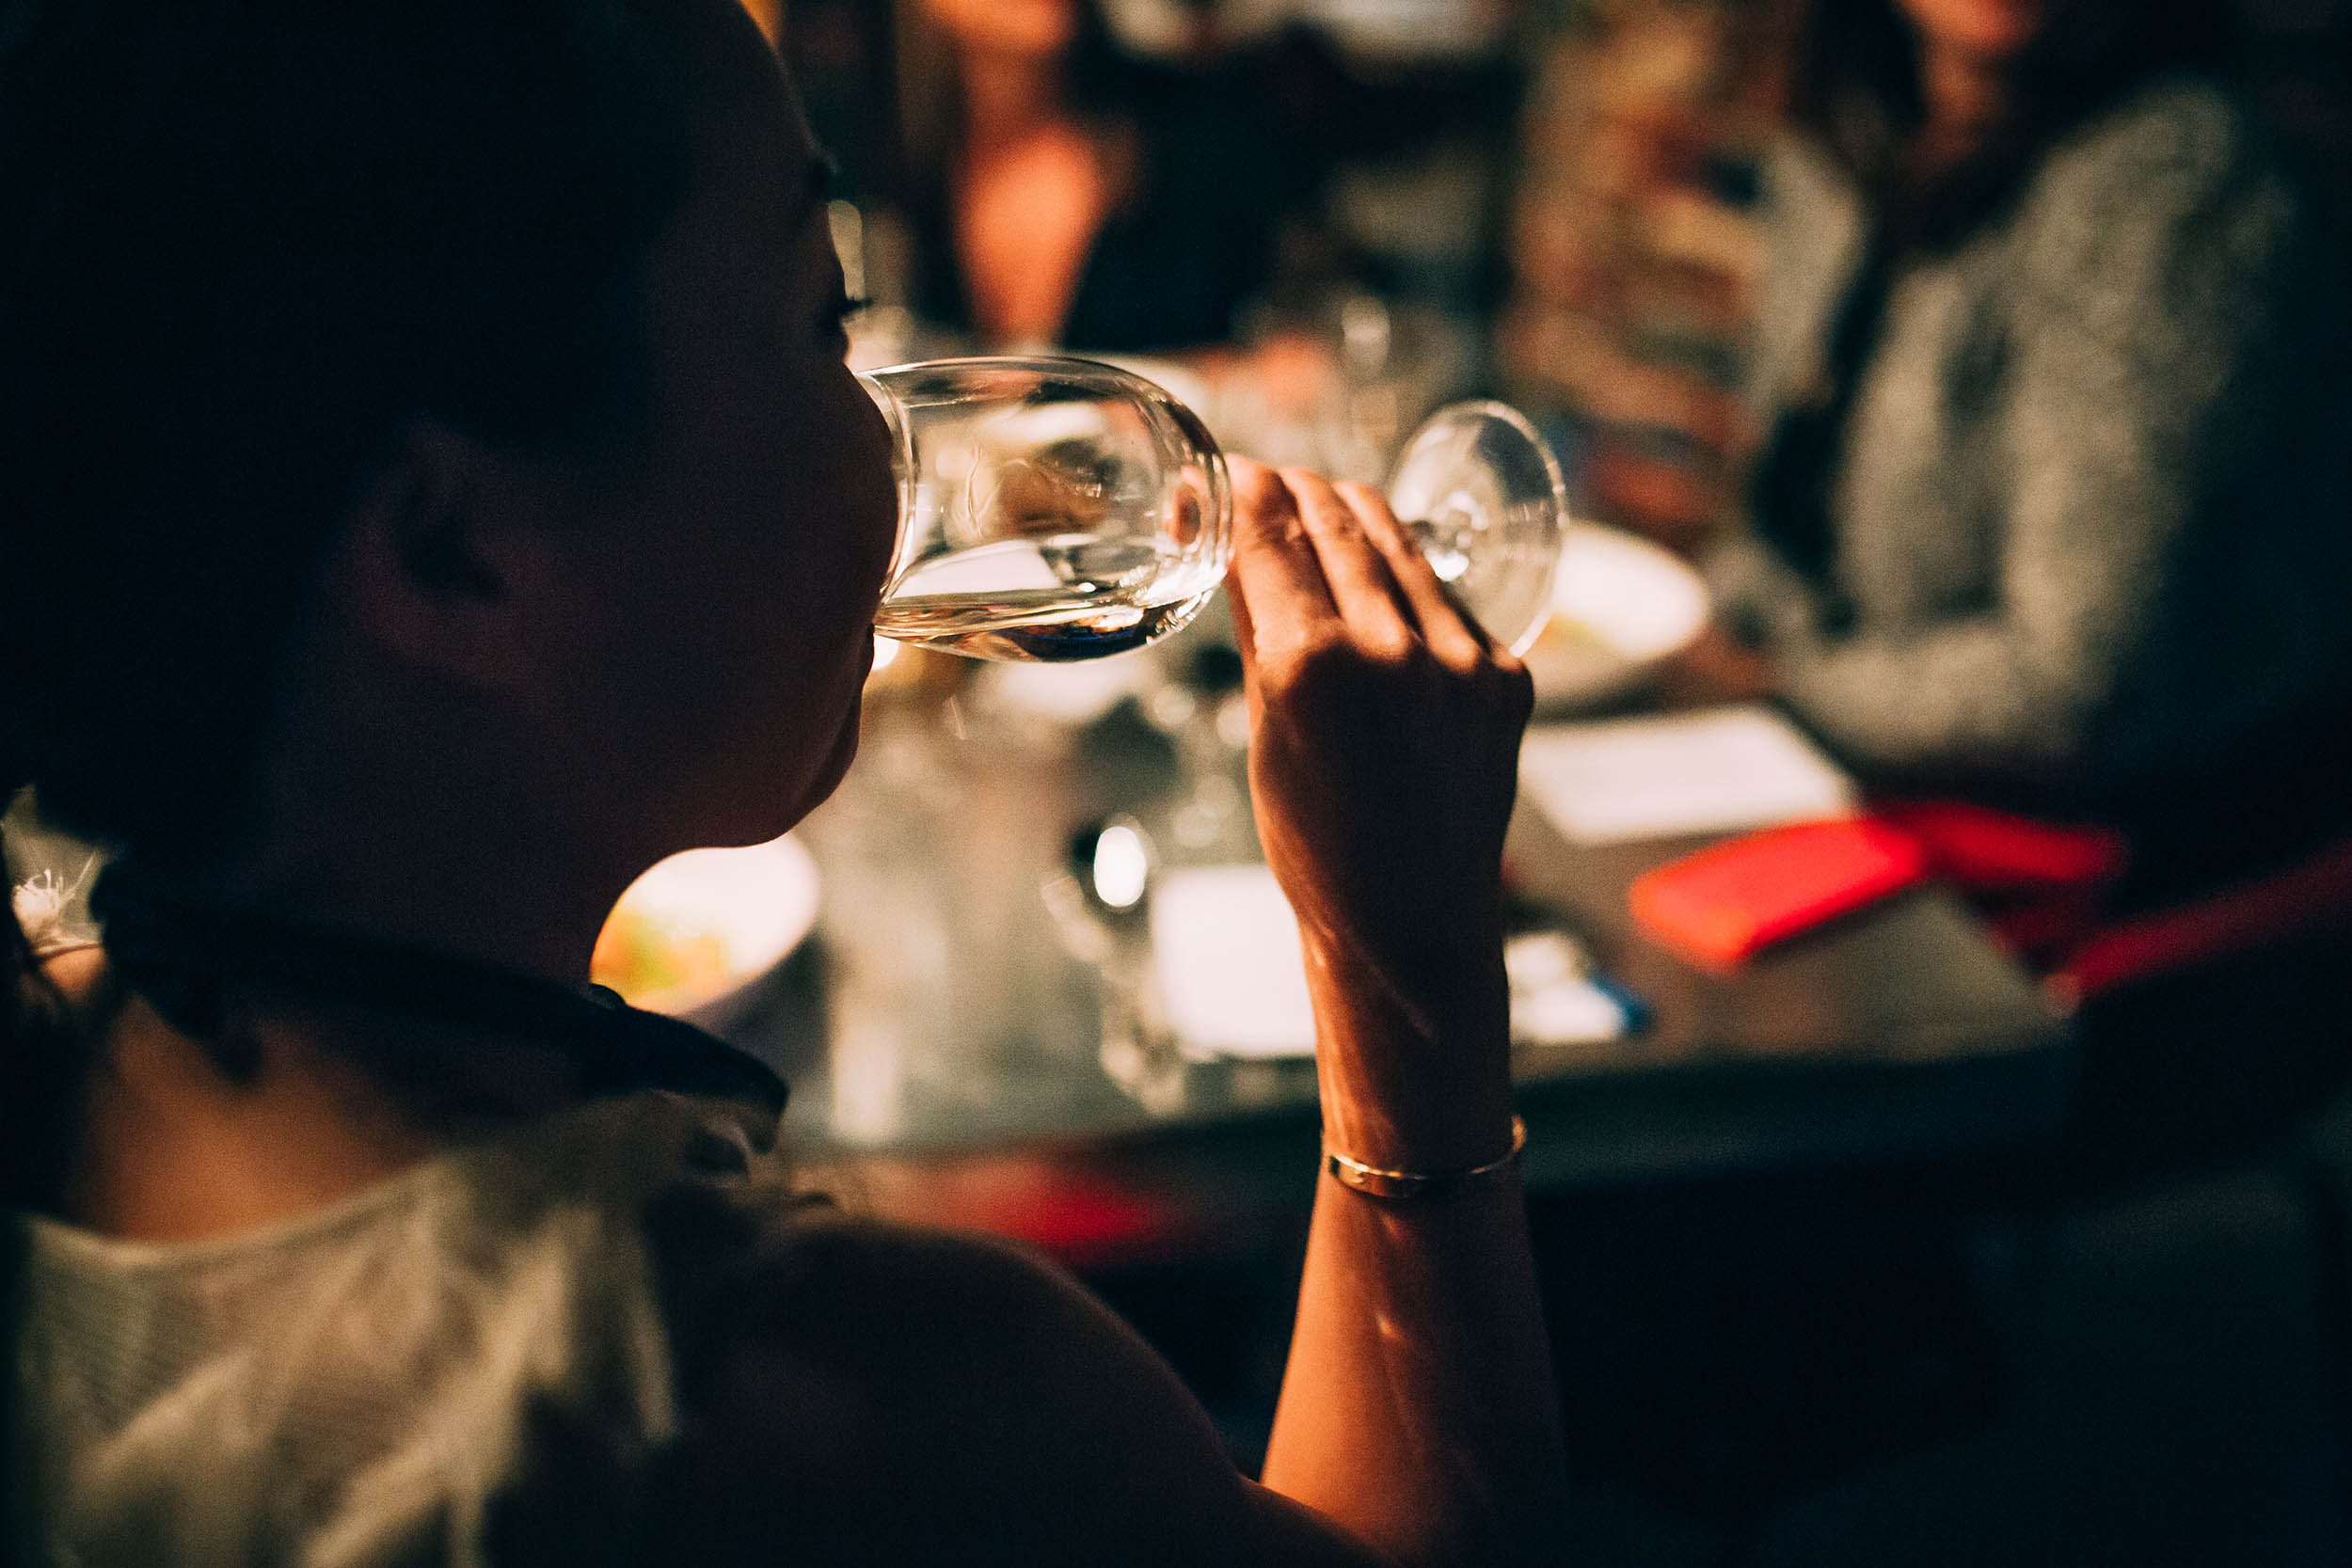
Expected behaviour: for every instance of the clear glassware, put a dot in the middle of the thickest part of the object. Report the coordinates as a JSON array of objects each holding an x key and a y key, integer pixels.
[
  {"x": 1482, "y": 492},
  {"x": 1049, "y": 509},
  {"x": 1055, "y": 510}
]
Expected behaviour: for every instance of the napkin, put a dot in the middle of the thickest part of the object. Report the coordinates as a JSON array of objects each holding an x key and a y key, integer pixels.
[
  {"x": 1233, "y": 979},
  {"x": 1718, "y": 771},
  {"x": 1225, "y": 950}
]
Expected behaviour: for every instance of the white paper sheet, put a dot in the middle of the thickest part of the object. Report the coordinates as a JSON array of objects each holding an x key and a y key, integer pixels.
[
  {"x": 1232, "y": 980},
  {"x": 1718, "y": 771}
]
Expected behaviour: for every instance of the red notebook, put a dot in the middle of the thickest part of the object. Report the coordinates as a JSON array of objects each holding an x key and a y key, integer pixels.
[{"x": 1731, "y": 899}]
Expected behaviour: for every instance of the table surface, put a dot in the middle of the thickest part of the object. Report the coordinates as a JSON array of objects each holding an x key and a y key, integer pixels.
[{"x": 945, "y": 1041}]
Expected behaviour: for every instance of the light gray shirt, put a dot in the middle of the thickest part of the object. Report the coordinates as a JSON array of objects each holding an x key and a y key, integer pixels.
[{"x": 2091, "y": 511}]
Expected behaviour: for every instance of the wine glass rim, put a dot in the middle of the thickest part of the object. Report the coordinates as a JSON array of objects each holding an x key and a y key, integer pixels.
[
  {"x": 1043, "y": 364},
  {"x": 1503, "y": 413}
]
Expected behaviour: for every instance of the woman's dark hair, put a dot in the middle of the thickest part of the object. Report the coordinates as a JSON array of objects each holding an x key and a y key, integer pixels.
[
  {"x": 249, "y": 245},
  {"x": 1855, "y": 87}
]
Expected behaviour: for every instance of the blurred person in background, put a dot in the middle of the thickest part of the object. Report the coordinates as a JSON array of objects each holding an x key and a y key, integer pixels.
[
  {"x": 1066, "y": 192},
  {"x": 434, "y": 494},
  {"x": 2050, "y": 512},
  {"x": 2051, "y": 506},
  {"x": 2053, "y": 512}
]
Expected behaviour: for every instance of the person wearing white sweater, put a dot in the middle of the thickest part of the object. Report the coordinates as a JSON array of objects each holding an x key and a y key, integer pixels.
[{"x": 2054, "y": 508}]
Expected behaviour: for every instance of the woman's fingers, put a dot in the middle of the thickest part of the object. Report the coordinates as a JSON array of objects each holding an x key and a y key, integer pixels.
[
  {"x": 1379, "y": 617},
  {"x": 1452, "y": 635},
  {"x": 1308, "y": 550},
  {"x": 1276, "y": 574}
]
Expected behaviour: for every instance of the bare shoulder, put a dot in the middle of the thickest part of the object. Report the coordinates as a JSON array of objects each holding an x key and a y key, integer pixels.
[{"x": 883, "y": 1394}]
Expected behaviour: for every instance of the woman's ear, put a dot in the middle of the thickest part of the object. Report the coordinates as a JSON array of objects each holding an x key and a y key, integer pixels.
[{"x": 442, "y": 559}]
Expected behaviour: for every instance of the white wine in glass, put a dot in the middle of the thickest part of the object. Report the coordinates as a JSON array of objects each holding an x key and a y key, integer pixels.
[
  {"x": 1053, "y": 510},
  {"x": 1049, "y": 509}
]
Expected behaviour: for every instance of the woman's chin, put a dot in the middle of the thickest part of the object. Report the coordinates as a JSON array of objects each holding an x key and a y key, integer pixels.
[
  {"x": 836, "y": 764},
  {"x": 754, "y": 810}
]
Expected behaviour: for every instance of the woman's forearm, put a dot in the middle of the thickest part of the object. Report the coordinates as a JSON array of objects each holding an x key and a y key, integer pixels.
[
  {"x": 1418, "y": 1408},
  {"x": 1406, "y": 1412}
]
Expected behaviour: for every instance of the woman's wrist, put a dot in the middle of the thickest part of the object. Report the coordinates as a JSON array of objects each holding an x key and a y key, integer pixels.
[
  {"x": 1414, "y": 1073},
  {"x": 1413, "y": 1185},
  {"x": 1466, "y": 1131}
]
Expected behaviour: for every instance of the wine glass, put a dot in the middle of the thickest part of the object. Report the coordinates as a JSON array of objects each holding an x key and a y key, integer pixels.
[
  {"x": 1481, "y": 492},
  {"x": 1053, "y": 510},
  {"x": 1049, "y": 509}
]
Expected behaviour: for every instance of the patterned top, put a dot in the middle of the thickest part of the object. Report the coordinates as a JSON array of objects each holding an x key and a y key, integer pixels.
[
  {"x": 2089, "y": 508},
  {"x": 474, "y": 1362}
]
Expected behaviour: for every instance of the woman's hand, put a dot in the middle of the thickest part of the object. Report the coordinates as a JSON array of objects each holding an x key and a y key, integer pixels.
[{"x": 1384, "y": 756}]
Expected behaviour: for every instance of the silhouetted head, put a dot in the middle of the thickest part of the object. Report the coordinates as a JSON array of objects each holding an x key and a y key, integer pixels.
[{"x": 424, "y": 424}]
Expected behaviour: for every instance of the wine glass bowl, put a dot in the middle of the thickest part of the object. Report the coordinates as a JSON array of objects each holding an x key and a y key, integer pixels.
[
  {"x": 1050, "y": 508},
  {"x": 1481, "y": 493}
]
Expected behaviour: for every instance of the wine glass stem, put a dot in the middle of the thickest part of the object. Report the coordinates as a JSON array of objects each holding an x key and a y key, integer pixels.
[{"x": 1446, "y": 541}]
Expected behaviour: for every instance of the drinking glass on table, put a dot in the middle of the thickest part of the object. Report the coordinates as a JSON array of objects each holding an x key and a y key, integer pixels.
[{"x": 1054, "y": 510}]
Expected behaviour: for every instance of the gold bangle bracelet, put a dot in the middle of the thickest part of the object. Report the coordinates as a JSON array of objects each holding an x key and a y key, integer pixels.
[{"x": 1376, "y": 1183}]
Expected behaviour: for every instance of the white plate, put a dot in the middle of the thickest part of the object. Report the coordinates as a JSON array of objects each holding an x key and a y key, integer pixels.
[
  {"x": 1621, "y": 606},
  {"x": 697, "y": 932}
]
